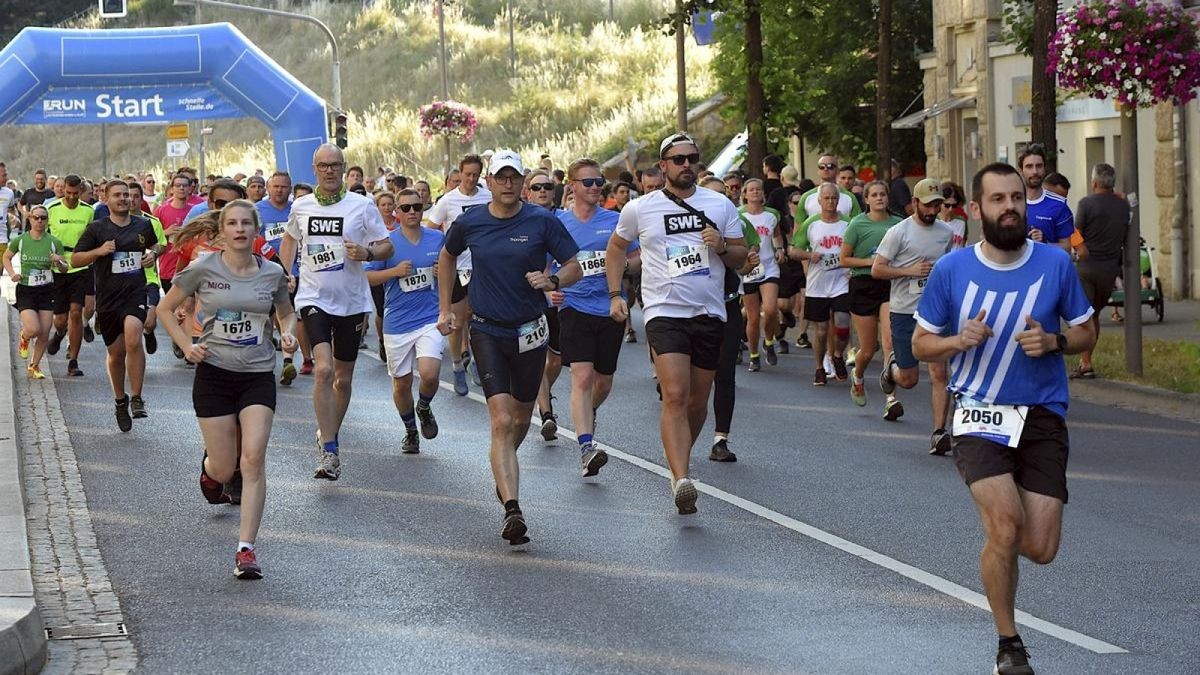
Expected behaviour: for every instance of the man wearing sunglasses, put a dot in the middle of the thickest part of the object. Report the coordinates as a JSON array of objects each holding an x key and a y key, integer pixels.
[
  {"x": 688, "y": 236},
  {"x": 539, "y": 191},
  {"x": 827, "y": 171}
]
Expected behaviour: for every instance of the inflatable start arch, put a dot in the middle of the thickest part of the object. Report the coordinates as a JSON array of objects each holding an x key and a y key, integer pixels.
[{"x": 59, "y": 76}]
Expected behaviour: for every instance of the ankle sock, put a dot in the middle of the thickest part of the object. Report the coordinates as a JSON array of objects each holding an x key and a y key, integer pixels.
[
  {"x": 410, "y": 420},
  {"x": 511, "y": 506},
  {"x": 123, "y": 401},
  {"x": 330, "y": 446},
  {"x": 245, "y": 546},
  {"x": 584, "y": 440},
  {"x": 1005, "y": 641},
  {"x": 426, "y": 399}
]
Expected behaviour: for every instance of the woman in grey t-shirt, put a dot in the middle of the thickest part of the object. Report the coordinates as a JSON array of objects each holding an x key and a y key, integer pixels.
[{"x": 234, "y": 390}]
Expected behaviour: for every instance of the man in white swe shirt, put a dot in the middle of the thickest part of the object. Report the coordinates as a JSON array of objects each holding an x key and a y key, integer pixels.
[{"x": 467, "y": 195}]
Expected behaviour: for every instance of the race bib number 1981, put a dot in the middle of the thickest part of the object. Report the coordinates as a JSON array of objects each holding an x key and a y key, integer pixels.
[{"x": 326, "y": 257}]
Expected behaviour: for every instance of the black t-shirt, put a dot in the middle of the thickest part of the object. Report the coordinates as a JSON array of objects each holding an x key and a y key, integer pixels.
[
  {"x": 899, "y": 196},
  {"x": 770, "y": 185},
  {"x": 32, "y": 197},
  {"x": 119, "y": 275},
  {"x": 779, "y": 199},
  {"x": 1102, "y": 219}
]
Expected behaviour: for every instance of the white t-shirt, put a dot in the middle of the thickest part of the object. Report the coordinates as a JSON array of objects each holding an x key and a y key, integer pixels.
[
  {"x": 6, "y": 200},
  {"x": 449, "y": 208},
  {"x": 826, "y": 279},
  {"x": 764, "y": 224},
  {"x": 329, "y": 280},
  {"x": 681, "y": 277}
]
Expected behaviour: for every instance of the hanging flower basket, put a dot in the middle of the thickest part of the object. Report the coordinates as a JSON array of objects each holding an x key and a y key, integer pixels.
[
  {"x": 448, "y": 118},
  {"x": 1137, "y": 53}
]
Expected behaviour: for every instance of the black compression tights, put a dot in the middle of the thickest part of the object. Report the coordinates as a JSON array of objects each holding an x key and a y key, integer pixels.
[{"x": 723, "y": 389}]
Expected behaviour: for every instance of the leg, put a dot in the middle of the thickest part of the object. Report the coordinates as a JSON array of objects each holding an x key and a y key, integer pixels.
[
  {"x": 769, "y": 294},
  {"x": 1043, "y": 526},
  {"x": 867, "y": 328},
  {"x": 821, "y": 336},
  {"x": 697, "y": 405},
  {"x": 503, "y": 411},
  {"x": 89, "y": 306},
  {"x": 1085, "y": 357},
  {"x": 1003, "y": 516},
  {"x": 754, "y": 305},
  {"x": 601, "y": 391},
  {"x": 45, "y": 320},
  {"x": 553, "y": 369},
  {"x": 674, "y": 377},
  {"x": 906, "y": 378},
  {"x": 255, "y": 429},
  {"x": 220, "y": 444},
  {"x": 940, "y": 397},
  {"x": 583, "y": 382},
  {"x": 724, "y": 390},
  {"x": 324, "y": 403},
  {"x": 428, "y": 368},
  {"x": 306, "y": 351},
  {"x": 343, "y": 379},
  {"x": 116, "y": 368},
  {"x": 402, "y": 394},
  {"x": 75, "y": 329},
  {"x": 135, "y": 355}
]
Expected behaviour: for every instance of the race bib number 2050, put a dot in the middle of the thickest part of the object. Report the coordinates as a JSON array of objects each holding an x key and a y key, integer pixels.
[{"x": 1001, "y": 424}]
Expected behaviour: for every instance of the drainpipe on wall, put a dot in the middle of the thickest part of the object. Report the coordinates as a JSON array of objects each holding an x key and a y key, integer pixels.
[{"x": 1179, "y": 216}]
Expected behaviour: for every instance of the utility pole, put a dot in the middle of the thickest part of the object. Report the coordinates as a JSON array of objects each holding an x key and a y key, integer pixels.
[
  {"x": 442, "y": 56},
  {"x": 680, "y": 68},
  {"x": 1133, "y": 246},
  {"x": 883, "y": 92}
]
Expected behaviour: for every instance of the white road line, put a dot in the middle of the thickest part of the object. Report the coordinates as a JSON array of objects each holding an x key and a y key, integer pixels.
[{"x": 918, "y": 575}]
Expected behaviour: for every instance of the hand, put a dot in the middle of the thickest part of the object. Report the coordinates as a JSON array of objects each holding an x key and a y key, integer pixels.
[
  {"x": 1033, "y": 339},
  {"x": 815, "y": 257},
  {"x": 354, "y": 251},
  {"x": 14, "y": 276},
  {"x": 780, "y": 255},
  {"x": 148, "y": 259},
  {"x": 752, "y": 259},
  {"x": 713, "y": 239},
  {"x": 181, "y": 314},
  {"x": 1036, "y": 234},
  {"x": 108, "y": 247},
  {"x": 289, "y": 343},
  {"x": 447, "y": 323},
  {"x": 556, "y": 298},
  {"x": 618, "y": 309},
  {"x": 404, "y": 269},
  {"x": 974, "y": 332},
  {"x": 539, "y": 280},
  {"x": 58, "y": 261},
  {"x": 291, "y": 283},
  {"x": 196, "y": 352},
  {"x": 919, "y": 269}
]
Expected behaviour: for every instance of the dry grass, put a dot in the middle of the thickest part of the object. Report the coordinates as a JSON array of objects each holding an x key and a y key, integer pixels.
[{"x": 1167, "y": 364}]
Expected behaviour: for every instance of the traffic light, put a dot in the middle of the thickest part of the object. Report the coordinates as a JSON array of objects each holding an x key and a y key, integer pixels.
[
  {"x": 113, "y": 9},
  {"x": 339, "y": 129}
]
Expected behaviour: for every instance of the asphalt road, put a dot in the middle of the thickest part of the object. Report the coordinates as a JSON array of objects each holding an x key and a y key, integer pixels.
[{"x": 398, "y": 566}]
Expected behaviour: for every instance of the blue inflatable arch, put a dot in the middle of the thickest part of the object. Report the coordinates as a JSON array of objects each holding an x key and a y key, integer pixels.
[{"x": 146, "y": 75}]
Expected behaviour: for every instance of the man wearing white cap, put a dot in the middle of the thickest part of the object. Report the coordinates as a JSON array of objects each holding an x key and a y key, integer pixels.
[
  {"x": 688, "y": 237},
  {"x": 509, "y": 241}
]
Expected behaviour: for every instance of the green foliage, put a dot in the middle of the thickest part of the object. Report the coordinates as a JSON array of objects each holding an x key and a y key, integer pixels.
[{"x": 17, "y": 14}]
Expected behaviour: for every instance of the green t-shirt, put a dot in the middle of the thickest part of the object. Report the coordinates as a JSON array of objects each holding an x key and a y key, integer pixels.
[
  {"x": 68, "y": 225},
  {"x": 152, "y": 271},
  {"x": 864, "y": 235},
  {"x": 35, "y": 257}
]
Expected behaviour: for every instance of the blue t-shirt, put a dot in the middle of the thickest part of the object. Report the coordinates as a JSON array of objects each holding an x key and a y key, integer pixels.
[
  {"x": 273, "y": 223},
  {"x": 196, "y": 210},
  {"x": 503, "y": 251},
  {"x": 412, "y": 302},
  {"x": 1052, "y": 216},
  {"x": 1043, "y": 283},
  {"x": 590, "y": 293}
]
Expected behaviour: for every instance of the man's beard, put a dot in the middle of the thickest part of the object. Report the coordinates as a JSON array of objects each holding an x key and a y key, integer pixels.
[
  {"x": 683, "y": 181},
  {"x": 927, "y": 219},
  {"x": 1034, "y": 181},
  {"x": 1005, "y": 237}
]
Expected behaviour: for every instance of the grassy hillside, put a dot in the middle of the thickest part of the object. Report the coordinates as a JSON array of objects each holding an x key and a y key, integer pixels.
[{"x": 583, "y": 84}]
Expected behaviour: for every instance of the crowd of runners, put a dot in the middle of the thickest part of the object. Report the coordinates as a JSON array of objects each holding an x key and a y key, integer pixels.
[{"x": 520, "y": 272}]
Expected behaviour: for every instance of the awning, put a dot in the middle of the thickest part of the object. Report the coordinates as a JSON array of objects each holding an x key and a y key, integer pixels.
[{"x": 917, "y": 119}]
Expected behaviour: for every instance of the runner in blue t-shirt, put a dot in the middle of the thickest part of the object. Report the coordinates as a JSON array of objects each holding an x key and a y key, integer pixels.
[
  {"x": 274, "y": 211},
  {"x": 591, "y": 340},
  {"x": 993, "y": 311},
  {"x": 1047, "y": 215},
  {"x": 410, "y": 314},
  {"x": 508, "y": 241}
]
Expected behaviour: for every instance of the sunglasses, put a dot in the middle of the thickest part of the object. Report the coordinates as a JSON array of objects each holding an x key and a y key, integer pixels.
[
  {"x": 734, "y": 186},
  {"x": 591, "y": 182},
  {"x": 826, "y": 167},
  {"x": 538, "y": 187},
  {"x": 38, "y": 218},
  {"x": 680, "y": 160},
  {"x": 406, "y": 208},
  {"x": 220, "y": 203},
  {"x": 949, "y": 205}
]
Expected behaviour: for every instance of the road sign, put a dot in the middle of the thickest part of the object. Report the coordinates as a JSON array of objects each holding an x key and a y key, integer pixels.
[
  {"x": 177, "y": 148},
  {"x": 177, "y": 132}
]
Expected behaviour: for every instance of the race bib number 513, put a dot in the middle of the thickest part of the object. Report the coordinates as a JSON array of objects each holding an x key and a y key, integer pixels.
[{"x": 126, "y": 262}]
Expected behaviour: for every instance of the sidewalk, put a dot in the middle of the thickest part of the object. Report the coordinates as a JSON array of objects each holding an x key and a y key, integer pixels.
[{"x": 1181, "y": 321}]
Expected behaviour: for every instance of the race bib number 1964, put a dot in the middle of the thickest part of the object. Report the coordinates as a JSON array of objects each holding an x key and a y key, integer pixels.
[{"x": 687, "y": 260}]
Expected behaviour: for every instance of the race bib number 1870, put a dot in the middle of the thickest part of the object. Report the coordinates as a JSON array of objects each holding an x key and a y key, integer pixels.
[
  {"x": 687, "y": 260},
  {"x": 997, "y": 423},
  {"x": 420, "y": 278}
]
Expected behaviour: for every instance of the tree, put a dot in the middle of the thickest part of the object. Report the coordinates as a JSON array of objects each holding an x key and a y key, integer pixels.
[
  {"x": 755, "y": 100},
  {"x": 19, "y": 14},
  {"x": 1044, "y": 112},
  {"x": 883, "y": 91}
]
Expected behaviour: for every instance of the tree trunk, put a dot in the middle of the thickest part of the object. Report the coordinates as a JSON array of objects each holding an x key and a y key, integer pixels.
[
  {"x": 756, "y": 149},
  {"x": 883, "y": 92},
  {"x": 1044, "y": 111}
]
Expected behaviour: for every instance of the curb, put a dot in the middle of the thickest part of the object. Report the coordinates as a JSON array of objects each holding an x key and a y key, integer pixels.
[
  {"x": 1138, "y": 397},
  {"x": 22, "y": 633}
]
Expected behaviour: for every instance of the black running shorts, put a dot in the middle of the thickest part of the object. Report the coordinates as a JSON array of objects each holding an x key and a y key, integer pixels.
[
  {"x": 1038, "y": 463},
  {"x": 505, "y": 370},
  {"x": 818, "y": 309},
  {"x": 459, "y": 293},
  {"x": 343, "y": 332},
  {"x": 867, "y": 295},
  {"x": 699, "y": 337},
  {"x": 552, "y": 322},
  {"x": 751, "y": 288},
  {"x": 72, "y": 289},
  {"x": 791, "y": 278},
  {"x": 37, "y": 298},
  {"x": 587, "y": 338},
  {"x": 111, "y": 324},
  {"x": 217, "y": 392}
]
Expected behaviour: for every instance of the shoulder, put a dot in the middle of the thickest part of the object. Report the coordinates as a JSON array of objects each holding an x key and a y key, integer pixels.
[
  {"x": 306, "y": 202},
  {"x": 773, "y": 212}
]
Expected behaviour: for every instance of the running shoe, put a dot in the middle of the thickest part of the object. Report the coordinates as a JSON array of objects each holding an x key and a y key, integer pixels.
[
  {"x": 685, "y": 496},
  {"x": 306, "y": 368},
  {"x": 246, "y": 566},
  {"x": 138, "y": 407},
  {"x": 23, "y": 348},
  {"x": 124, "y": 421},
  {"x": 88, "y": 333},
  {"x": 630, "y": 336},
  {"x": 828, "y": 363},
  {"x": 474, "y": 368},
  {"x": 939, "y": 443},
  {"x": 755, "y": 364},
  {"x": 288, "y": 374},
  {"x": 151, "y": 342},
  {"x": 233, "y": 489},
  {"x": 55, "y": 343},
  {"x": 839, "y": 368},
  {"x": 362, "y": 341},
  {"x": 886, "y": 382},
  {"x": 429, "y": 425},
  {"x": 412, "y": 443},
  {"x": 783, "y": 347},
  {"x": 893, "y": 409},
  {"x": 592, "y": 458},
  {"x": 1012, "y": 659},
  {"x": 549, "y": 426},
  {"x": 214, "y": 492},
  {"x": 460, "y": 382},
  {"x": 330, "y": 467},
  {"x": 803, "y": 342},
  {"x": 35, "y": 373},
  {"x": 820, "y": 377},
  {"x": 73, "y": 369},
  {"x": 772, "y": 358},
  {"x": 720, "y": 452},
  {"x": 176, "y": 351},
  {"x": 513, "y": 530},
  {"x": 858, "y": 391}
]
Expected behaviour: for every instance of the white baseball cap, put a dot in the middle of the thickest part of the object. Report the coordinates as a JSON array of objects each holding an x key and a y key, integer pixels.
[
  {"x": 505, "y": 158},
  {"x": 678, "y": 138}
]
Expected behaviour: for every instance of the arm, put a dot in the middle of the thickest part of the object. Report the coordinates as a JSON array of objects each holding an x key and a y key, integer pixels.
[
  {"x": 615, "y": 259},
  {"x": 881, "y": 268},
  {"x": 287, "y": 256},
  {"x": 286, "y": 315},
  {"x": 8, "y": 256},
  {"x": 634, "y": 258},
  {"x": 376, "y": 277},
  {"x": 172, "y": 301},
  {"x": 445, "y": 276},
  {"x": 85, "y": 258}
]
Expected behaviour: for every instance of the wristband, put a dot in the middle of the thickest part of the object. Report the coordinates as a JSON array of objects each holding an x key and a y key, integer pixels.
[
  {"x": 614, "y": 294},
  {"x": 370, "y": 253},
  {"x": 554, "y": 280}
]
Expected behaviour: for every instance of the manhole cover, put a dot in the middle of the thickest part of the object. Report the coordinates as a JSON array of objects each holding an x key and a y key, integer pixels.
[{"x": 86, "y": 631}]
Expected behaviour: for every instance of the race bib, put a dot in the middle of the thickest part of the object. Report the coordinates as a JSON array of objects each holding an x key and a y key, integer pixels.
[
  {"x": 917, "y": 286},
  {"x": 420, "y": 279},
  {"x": 997, "y": 423},
  {"x": 274, "y": 231},
  {"x": 39, "y": 277},
  {"x": 755, "y": 275},
  {"x": 238, "y": 328},
  {"x": 592, "y": 262},
  {"x": 126, "y": 262},
  {"x": 326, "y": 257},
  {"x": 464, "y": 277},
  {"x": 533, "y": 335},
  {"x": 830, "y": 261},
  {"x": 687, "y": 260}
]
